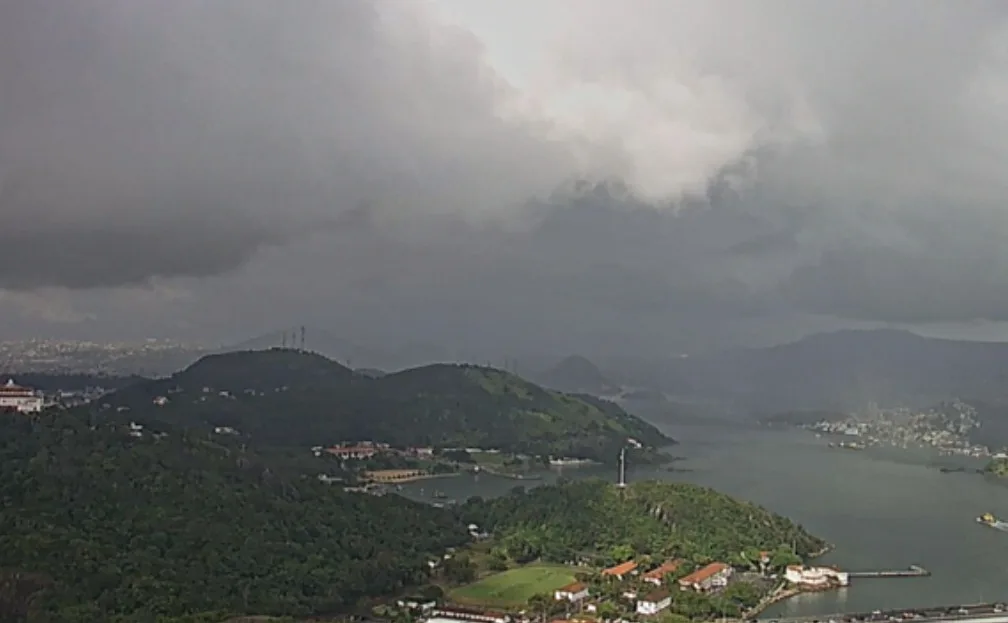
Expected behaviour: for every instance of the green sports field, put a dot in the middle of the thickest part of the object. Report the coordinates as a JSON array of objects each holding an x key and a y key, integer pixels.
[{"x": 513, "y": 587}]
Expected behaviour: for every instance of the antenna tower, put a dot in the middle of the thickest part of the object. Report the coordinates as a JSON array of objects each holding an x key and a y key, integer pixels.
[
  {"x": 283, "y": 339},
  {"x": 302, "y": 337},
  {"x": 622, "y": 468}
]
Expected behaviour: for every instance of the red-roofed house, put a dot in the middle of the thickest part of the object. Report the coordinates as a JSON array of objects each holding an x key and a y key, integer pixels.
[
  {"x": 714, "y": 575},
  {"x": 572, "y": 592},
  {"x": 620, "y": 570},
  {"x": 657, "y": 576}
]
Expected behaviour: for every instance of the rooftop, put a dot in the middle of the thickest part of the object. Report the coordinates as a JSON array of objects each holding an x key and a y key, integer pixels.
[
  {"x": 656, "y": 596},
  {"x": 573, "y": 587},
  {"x": 621, "y": 569},
  {"x": 665, "y": 569},
  {"x": 704, "y": 574}
]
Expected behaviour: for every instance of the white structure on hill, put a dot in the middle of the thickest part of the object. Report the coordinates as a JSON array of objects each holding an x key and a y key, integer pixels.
[
  {"x": 816, "y": 576},
  {"x": 21, "y": 399}
]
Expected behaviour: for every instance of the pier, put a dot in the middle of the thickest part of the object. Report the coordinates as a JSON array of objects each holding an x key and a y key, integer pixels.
[
  {"x": 971, "y": 613},
  {"x": 913, "y": 571}
]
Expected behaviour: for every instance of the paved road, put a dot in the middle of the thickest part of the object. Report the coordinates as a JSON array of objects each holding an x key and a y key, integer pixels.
[{"x": 981, "y": 613}]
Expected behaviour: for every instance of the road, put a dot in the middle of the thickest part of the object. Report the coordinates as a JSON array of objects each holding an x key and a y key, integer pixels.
[{"x": 976, "y": 613}]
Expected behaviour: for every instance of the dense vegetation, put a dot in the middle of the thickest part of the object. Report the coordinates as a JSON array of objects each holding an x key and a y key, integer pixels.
[
  {"x": 100, "y": 526},
  {"x": 998, "y": 467},
  {"x": 290, "y": 398},
  {"x": 605, "y": 524}
]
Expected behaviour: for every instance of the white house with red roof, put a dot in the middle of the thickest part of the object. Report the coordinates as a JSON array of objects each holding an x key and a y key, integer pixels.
[
  {"x": 574, "y": 592},
  {"x": 714, "y": 575},
  {"x": 14, "y": 397}
]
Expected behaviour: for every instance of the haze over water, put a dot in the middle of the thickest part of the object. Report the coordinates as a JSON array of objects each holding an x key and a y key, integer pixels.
[{"x": 882, "y": 510}]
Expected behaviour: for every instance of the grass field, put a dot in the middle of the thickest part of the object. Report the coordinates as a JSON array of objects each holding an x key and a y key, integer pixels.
[{"x": 514, "y": 586}]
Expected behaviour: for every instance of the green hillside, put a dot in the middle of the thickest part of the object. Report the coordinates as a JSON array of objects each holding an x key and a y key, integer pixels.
[
  {"x": 101, "y": 526},
  {"x": 288, "y": 398},
  {"x": 661, "y": 520}
]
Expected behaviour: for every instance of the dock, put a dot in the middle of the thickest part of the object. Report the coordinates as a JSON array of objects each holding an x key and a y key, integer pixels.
[
  {"x": 913, "y": 571},
  {"x": 968, "y": 613}
]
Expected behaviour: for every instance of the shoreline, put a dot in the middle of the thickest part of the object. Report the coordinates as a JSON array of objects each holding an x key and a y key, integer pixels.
[
  {"x": 509, "y": 476},
  {"x": 413, "y": 478},
  {"x": 783, "y": 592},
  {"x": 829, "y": 547}
]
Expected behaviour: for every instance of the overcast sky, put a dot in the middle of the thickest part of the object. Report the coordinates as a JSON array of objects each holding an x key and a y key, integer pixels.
[{"x": 613, "y": 176}]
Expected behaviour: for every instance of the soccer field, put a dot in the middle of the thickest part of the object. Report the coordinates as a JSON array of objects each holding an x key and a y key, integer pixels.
[{"x": 515, "y": 586}]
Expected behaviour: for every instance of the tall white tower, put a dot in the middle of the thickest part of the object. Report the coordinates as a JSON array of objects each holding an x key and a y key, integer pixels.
[{"x": 622, "y": 468}]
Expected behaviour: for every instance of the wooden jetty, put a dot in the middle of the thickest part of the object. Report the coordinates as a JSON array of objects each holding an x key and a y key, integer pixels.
[{"x": 913, "y": 571}]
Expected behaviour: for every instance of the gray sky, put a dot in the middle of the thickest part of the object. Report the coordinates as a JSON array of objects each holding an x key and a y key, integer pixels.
[{"x": 410, "y": 170}]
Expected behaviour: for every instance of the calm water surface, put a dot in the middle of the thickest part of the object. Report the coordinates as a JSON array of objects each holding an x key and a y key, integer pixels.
[{"x": 882, "y": 510}]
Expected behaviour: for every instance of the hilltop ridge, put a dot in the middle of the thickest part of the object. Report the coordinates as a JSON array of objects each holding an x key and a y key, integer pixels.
[{"x": 291, "y": 398}]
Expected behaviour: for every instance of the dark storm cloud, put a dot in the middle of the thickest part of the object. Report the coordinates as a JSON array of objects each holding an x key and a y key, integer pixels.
[
  {"x": 782, "y": 159},
  {"x": 144, "y": 139}
]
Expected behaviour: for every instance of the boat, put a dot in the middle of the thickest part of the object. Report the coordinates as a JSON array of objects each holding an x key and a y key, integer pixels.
[{"x": 990, "y": 520}]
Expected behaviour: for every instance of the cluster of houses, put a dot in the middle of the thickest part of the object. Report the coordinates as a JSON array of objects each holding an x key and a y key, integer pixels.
[{"x": 706, "y": 579}]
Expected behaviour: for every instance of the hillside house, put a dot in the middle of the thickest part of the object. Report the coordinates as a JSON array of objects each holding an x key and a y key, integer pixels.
[
  {"x": 654, "y": 602},
  {"x": 713, "y": 576},
  {"x": 573, "y": 592},
  {"x": 657, "y": 576},
  {"x": 621, "y": 570}
]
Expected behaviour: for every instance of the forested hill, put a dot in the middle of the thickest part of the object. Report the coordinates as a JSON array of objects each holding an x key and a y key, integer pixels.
[
  {"x": 285, "y": 397},
  {"x": 101, "y": 526},
  {"x": 657, "y": 519}
]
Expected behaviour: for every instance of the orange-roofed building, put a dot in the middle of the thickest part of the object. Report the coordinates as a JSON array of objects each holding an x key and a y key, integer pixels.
[
  {"x": 657, "y": 576},
  {"x": 573, "y": 592},
  {"x": 621, "y": 570},
  {"x": 714, "y": 575}
]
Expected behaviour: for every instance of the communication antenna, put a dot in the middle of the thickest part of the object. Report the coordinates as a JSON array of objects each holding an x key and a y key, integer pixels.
[
  {"x": 302, "y": 337},
  {"x": 283, "y": 339},
  {"x": 622, "y": 468}
]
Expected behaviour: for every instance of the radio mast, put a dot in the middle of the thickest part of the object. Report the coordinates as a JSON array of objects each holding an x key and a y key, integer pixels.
[{"x": 622, "y": 468}]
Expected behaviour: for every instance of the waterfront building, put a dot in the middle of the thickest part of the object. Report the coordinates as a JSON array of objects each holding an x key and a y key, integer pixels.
[
  {"x": 816, "y": 577},
  {"x": 14, "y": 397}
]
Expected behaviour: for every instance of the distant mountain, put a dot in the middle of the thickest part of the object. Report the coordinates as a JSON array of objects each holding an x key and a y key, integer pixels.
[
  {"x": 283, "y": 397},
  {"x": 576, "y": 374},
  {"x": 843, "y": 370}
]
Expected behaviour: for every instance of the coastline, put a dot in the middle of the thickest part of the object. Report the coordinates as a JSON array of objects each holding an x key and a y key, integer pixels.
[
  {"x": 829, "y": 547},
  {"x": 414, "y": 478},
  {"x": 510, "y": 476},
  {"x": 783, "y": 592}
]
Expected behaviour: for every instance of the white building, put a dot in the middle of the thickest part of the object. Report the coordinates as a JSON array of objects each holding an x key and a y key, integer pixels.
[
  {"x": 818, "y": 577},
  {"x": 466, "y": 615},
  {"x": 21, "y": 399},
  {"x": 572, "y": 592},
  {"x": 654, "y": 602}
]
